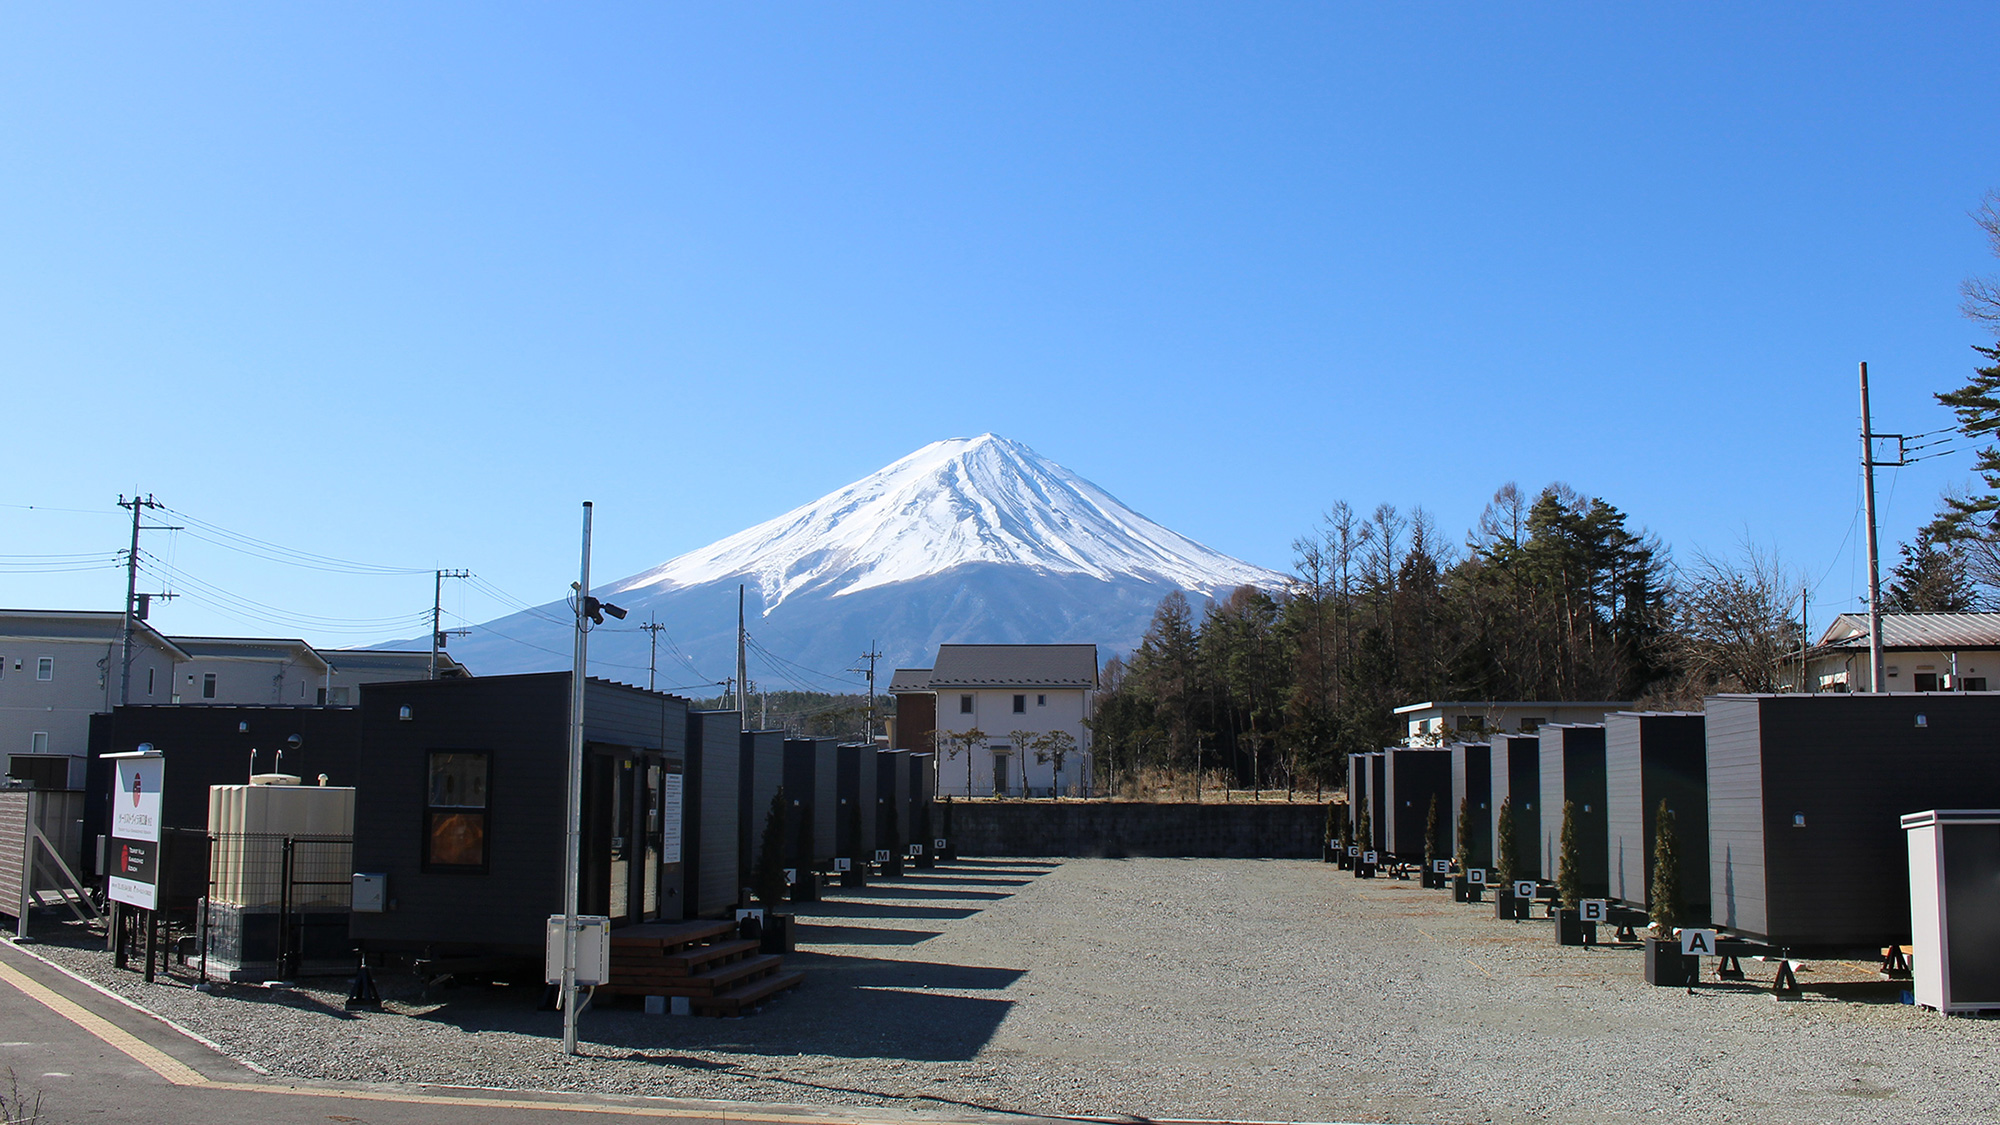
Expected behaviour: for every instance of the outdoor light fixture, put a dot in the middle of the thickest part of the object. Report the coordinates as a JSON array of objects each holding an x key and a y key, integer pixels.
[{"x": 403, "y": 713}]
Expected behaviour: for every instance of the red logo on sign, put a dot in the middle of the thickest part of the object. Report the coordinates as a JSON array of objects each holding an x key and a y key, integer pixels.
[
  {"x": 125, "y": 858},
  {"x": 135, "y": 789}
]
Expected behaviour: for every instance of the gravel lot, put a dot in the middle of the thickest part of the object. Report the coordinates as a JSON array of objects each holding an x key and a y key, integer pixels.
[{"x": 1229, "y": 989}]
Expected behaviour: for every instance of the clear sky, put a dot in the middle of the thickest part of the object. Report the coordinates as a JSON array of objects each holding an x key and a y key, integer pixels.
[{"x": 404, "y": 284}]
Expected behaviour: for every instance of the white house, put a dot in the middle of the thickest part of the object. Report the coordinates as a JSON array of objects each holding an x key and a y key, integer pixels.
[
  {"x": 1921, "y": 652},
  {"x": 59, "y": 667},
  {"x": 249, "y": 670},
  {"x": 1013, "y": 694},
  {"x": 353, "y": 667}
]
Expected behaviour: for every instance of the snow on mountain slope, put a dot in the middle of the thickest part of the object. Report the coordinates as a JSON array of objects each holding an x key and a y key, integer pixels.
[
  {"x": 953, "y": 502},
  {"x": 971, "y": 540}
]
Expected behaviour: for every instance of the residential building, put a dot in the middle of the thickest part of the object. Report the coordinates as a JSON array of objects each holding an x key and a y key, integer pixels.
[
  {"x": 1921, "y": 652},
  {"x": 57, "y": 669},
  {"x": 249, "y": 670},
  {"x": 1013, "y": 695},
  {"x": 353, "y": 667},
  {"x": 1440, "y": 724}
]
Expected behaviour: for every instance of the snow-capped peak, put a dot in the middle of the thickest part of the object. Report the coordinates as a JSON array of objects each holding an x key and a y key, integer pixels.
[{"x": 963, "y": 500}]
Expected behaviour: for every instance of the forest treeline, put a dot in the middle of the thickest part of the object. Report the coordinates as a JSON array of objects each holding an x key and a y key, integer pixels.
[{"x": 1552, "y": 596}]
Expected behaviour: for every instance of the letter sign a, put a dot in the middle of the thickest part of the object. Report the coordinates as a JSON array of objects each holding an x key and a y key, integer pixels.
[{"x": 1698, "y": 943}]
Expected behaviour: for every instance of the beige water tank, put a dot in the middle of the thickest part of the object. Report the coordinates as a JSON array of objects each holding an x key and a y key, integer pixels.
[{"x": 247, "y": 825}]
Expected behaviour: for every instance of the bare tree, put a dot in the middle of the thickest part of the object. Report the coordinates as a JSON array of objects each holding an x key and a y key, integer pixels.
[
  {"x": 1982, "y": 294},
  {"x": 961, "y": 741},
  {"x": 1054, "y": 747},
  {"x": 1735, "y": 629}
]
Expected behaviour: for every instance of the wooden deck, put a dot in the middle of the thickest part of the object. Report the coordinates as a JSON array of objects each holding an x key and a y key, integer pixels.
[{"x": 719, "y": 973}]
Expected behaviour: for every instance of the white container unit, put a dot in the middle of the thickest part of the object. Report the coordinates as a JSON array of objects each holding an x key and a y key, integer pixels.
[
  {"x": 238, "y": 814},
  {"x": 1955, "y": 908}
]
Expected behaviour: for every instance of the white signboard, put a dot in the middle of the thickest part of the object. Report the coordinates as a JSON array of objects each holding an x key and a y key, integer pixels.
[
  {"x": 916, "y": 851},
  {"x": 1698, "y": 943},
  {"x": 135, "y": 809},
  {"x": 1476, "y": 876},
  {"x": 842, "y": 864},
  {"x": 671, "y": 793},
  {"x": 881, "y": 855},
  {"x": 1441, "y": 866},
  {"x": 1593, "y": 910},
  {"x": 1368, "y": 858},
  {"x": 1524, "y": 888},
  {"x": 937, "y": 845}
]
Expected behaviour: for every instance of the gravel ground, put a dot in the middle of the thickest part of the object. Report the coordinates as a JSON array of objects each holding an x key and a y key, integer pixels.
[{"x": 1228, "y": 989}]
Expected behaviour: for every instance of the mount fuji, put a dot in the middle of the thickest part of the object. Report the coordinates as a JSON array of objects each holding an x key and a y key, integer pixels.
[{"x": 968, "y": 540}]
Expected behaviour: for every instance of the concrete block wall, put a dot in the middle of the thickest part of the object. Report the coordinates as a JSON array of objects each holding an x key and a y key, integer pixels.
[{"x": 1120, "y": 829}]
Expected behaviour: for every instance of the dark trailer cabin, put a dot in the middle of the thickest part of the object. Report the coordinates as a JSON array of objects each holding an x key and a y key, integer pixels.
[
  {"x": 460, "y": 805},
  {"x": 761, "y": 775},
  {"x": 1472, "y": 783},
  {"x": 1806, "y": 799},
  {"x": 1366, "y": 778},
  {"x": 923, "y": 784},
  {"x": 1414, "y": 779},
  {"x": 892, "y": 802},
  {"x": 854, "y": 826},
  {"x": 714, "y": 767},
  {"x": 812, "y": 794},
  {"x": 1573, "y": 785},
  {"x": 216, "y": 745},
  {"x": 1650, "y": 757},
  {"x": 1357, "y": 792},
  {"x": 1517, "y": 774}
]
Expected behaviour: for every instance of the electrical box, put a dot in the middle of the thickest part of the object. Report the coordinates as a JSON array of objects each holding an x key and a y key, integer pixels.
[
  {"x": 371, "y": 893},
  {"x": 593, "y": 950},
  {"x": 1955, "y": 908}
]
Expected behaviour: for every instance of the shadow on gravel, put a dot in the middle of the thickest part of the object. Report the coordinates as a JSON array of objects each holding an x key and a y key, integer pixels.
[
  {"x": 830, "y": 909},
  {"x": 819, "y": 933},
  {"x": 283, "y": 998},
  {"x": 965, "y": 880},
  {"x": 904, "y": 890}
]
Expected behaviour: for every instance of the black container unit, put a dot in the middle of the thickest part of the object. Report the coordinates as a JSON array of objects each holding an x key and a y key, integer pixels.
[
  {"x": 1650, "y": 757},
  {"x": 1413, "y": 779},
  {"x": 760, "y": 775},
  {"x": 1517, "y": 773},
  {"x": 854, "y": 818},
  {"x": 1357, "y": 793},
  {"x": 446, "y": 898},
  {"x": 922, "y": 825},
  {"x": 1573, "y": 777},
  {"x": 714, "y": 769},
  {"x": 1806, "y": 796},
  {"x": 1472, "y": 783},
  {"x": 892, "y": 807},
  {"x": 812, "y": 798}
]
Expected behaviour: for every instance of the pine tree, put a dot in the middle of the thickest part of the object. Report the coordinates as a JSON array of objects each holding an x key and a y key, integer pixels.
[
  {"x": 1462, "y": 852},
  {"x": 1364, "y": 833},
  {"x": 1431, "y": 836},
  {"x": 1505, "y": 862},
  {"x": 1666, "y": 892},
  {"x": 1932, "y": 578},
  {"x": 1569, "y": 877},
  {"x": 769, "y": 877}
]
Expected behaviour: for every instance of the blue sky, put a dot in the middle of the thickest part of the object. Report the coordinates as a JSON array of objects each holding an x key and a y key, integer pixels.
[{"x": 406, "y": 283}]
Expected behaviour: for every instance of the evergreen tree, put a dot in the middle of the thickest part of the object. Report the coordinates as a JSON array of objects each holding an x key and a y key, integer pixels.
[
  {"x": 1431, "y": 836},
  {"x": 1931, "y": 578},
  {"x": 1569, "y": 876},
  {"x": 1977, "y": 405},
  {"x": 1665, "y": 898},
  {"x": 1462, "y": 838},
  {"x": 1505, "y": 861},
  {"x": 768, "y": 879},
  {"x": 1364, "y": 833}
]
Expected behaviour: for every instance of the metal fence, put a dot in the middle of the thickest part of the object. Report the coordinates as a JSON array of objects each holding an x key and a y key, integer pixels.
[{"x": 276, "y": 899}]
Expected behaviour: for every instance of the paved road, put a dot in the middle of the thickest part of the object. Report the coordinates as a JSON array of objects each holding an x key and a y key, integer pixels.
[{"x": 94, "y": 1058}]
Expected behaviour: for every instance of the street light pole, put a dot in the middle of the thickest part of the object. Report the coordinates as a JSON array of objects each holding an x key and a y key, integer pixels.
[{"x": 573, "y": 835}]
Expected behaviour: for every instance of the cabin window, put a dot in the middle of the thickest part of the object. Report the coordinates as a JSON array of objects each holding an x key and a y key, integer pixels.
[
  {"x": 455, "y": 810},
  {"x": 45, "y": 668},
  {"x": 1041, "y": 701},
  {"x": 965, "y": 705},
  {"x": 1020, "y": 705}
]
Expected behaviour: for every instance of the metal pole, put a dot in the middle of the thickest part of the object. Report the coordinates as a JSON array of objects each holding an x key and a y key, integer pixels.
[
  {"x": 573, "y": 836},
  {"x": 1875, "y": 667},
  {"x": 437, "y": 617},
  {"x": 742, "y": 668},
  {"x": 131, "y": 600}
]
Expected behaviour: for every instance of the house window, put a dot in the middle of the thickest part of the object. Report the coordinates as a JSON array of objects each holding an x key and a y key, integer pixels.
[
  {"x": 965, "y": 705},
  {"x": 208, "y": 685},
  {"x": 45, "y": 668},
  {"x": 1927, "y": 681},
  {"x": 1020, "y": 705},
  {"x": 1471, "y": 724},
  {"x": 455, "y": 810},
  {"x": 1530, "y": 726},
  {"x": 1041, "y": 701},
  {"x": 1972, "y": 683}
]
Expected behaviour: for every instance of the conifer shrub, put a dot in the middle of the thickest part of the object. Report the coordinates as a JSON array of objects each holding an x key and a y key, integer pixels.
[
  {"x": 1665, "y": 899},
  {"x": 1505, "y": 862},
  {"x": 1569, "y": 860},
  {"x": 768, "y": 880}
]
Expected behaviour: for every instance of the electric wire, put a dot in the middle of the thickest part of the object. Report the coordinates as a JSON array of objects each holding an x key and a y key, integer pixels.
[{"x": 223, "y": 537}]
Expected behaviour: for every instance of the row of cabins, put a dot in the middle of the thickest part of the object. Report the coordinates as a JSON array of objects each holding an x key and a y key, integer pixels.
[
  {"x": 1787, "y": 807},
  {"x": 458, "y": 804}
]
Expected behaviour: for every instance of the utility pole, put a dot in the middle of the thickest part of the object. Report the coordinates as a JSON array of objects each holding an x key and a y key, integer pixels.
[
  {"x": 871, "y": 656},
  {"x": 437, "y": 614},
  {"x": 1868, "y": 466},
  {"x": 742, "y": 668},
  {"x": 573, "y": 803},
  {"x": 135, "y": 608},
  {"x": 1805, "y": 635},
  {"x": 653, "y": 628}
]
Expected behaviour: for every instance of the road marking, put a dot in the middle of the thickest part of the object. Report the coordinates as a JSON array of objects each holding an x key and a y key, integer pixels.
[
  {"x": 141, "y": 1052},
  {"x": 1480, "y": 967}
]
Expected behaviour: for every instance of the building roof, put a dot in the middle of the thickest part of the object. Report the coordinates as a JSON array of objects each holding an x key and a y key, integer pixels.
[
  {"x": 79, "y": 625},
  {"x": 250, "y": 648},
  {"x": 1916, "y": 631},
  {"x": 417, "y": 664},
  {"x": 910, "y": 680},
  {"x": 1488, "y": 704},
  {"x": 1049, "y": 666}
]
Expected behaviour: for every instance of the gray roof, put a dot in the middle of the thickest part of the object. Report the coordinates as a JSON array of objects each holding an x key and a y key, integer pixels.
[
  {"x": 248, "y": 648},
  {"x": 78, "y": 625},
  {"x": 1479, "y": 704},
  {"x": 417, "y": 663},
  {"x": 1050, "y": 666},
  {"x": 1916, "y": 631},
  {"x": 909, "y": 680}
]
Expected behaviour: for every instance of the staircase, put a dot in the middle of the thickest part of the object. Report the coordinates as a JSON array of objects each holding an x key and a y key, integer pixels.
[{"x": 719, "y": 973}]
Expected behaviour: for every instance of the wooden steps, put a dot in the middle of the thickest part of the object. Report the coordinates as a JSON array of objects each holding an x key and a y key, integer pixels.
[{"x": 719, "y": 973}]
